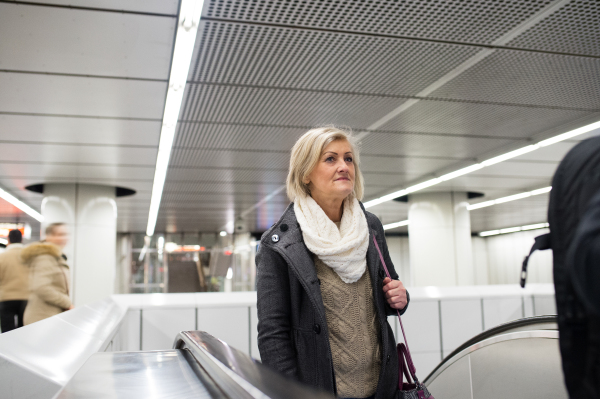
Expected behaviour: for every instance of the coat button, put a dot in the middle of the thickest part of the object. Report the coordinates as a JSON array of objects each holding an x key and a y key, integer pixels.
[
  {"x": 381, "y": 273},
  {"x": 275, "y": 238},
  {"x": 283, "y": 227},
  {"x": 317, "y": 329},
  {"x": 388, "y": 358}
]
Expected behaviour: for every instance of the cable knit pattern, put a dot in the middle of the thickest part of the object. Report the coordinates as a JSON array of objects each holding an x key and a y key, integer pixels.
[
  {"x": 344, "y": 249},
  {"x": 353, "y": 332}
]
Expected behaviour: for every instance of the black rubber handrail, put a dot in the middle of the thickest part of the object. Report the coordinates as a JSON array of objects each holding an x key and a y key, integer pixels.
[{"x": 502, "y": 328}]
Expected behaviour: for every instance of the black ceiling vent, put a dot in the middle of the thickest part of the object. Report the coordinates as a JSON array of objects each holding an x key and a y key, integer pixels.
[
  {"x": 470, "y": 195},
  {"x": 119, "y": 191}
]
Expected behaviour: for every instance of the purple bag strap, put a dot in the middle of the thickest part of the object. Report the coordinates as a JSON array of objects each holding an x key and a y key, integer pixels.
[{"x": 411, "y": 366}]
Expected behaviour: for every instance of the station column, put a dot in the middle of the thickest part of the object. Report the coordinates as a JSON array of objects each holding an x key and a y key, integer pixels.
[
  {"x": 90, "y": 212},
  {"x": 440, "y": 239}
]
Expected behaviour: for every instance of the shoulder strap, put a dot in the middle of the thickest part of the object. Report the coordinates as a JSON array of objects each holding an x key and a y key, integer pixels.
[
  {"x": 541, "y": 242},
  {"x": 411, "y": 366}
]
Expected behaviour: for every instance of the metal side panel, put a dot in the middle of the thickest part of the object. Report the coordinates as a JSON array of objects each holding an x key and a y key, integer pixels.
[
  {"x": 519, "y": 365},
  {"x": 46, "y": 354},
  {"x": 21, "y": 382},
  {"x": 155, "y": 374}
]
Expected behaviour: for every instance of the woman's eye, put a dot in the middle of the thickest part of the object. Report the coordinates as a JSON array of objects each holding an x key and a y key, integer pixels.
[
  {"x": 329, "y": 159},
  {"x": 349, "y": 159}
]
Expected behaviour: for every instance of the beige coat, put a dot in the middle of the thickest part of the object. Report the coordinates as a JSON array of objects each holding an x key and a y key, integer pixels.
[
  {"x": 48, "y": 282},
  {"x": 14, "y": 275}
]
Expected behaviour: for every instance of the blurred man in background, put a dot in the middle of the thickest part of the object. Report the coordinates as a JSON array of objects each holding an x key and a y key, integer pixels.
[
  {"x": 14, "y": 283},
  {"x": 50, "y": 275}
]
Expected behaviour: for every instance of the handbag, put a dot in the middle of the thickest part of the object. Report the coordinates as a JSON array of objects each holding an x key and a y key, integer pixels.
[{"x": 412, "y": 388}]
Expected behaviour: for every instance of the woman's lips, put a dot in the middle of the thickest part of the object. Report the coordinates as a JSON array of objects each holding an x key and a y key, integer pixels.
[{"x": 342, "y": 178}]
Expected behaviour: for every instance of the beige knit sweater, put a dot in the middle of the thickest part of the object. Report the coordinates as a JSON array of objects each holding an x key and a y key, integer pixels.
[{"x": 353, "y": 332}]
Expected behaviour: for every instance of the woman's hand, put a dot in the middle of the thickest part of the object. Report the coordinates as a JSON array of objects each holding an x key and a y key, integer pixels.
[{"x": 395, "y": 293}]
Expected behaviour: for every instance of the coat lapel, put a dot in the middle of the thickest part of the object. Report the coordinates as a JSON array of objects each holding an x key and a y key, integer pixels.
[
  {"x": 373, "y": 258},
  {"x": 300, "y": 260}
]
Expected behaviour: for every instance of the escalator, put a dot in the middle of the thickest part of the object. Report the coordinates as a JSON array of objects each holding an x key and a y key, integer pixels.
[{"x": 519, "y": 359}]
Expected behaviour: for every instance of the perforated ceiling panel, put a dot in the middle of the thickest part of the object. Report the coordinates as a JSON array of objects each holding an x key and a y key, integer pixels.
[
  {"x": 282, "y": 107},
  {"x": 479, "y": 78},
  {"x": 575, "y": 28},
  {"x": 296, "y": 58},
  {"x": 193, "y": 136},
  {"x": 518, "y": 77},
  {"x": 456, "y": 20},
  {"x": 464, "y": 118}
]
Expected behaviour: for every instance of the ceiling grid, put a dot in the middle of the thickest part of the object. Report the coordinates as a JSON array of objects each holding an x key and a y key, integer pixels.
[{"x": 409, "y": 73}]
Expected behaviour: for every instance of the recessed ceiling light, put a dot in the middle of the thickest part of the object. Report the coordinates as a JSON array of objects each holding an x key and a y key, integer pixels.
[
  {"x": 394, "y": 225},
  {"x": 21, "y": 205},
  {"x": 509, "y": 198},
  {"x": 514, "y": 229},
  {"x": 488, "y": 162},
  {"x": 187, "y": 27}
]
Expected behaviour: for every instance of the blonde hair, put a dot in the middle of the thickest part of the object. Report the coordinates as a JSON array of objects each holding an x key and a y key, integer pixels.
[{"x": 305, "y": 156}]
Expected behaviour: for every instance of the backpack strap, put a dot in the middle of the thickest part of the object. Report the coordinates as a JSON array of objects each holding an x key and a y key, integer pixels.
[{"x": 541, "y": 242}]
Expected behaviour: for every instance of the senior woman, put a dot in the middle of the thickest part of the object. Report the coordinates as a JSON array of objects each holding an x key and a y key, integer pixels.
[{"x": 323, "y": 300}]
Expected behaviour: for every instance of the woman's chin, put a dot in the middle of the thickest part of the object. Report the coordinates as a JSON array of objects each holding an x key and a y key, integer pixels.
[{"x": 344, "y": 192}]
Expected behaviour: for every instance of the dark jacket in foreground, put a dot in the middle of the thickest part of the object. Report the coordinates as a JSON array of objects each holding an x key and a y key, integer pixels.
[
  {"x": 574, "y": 230},
  {"x": 292, "y": 328}
]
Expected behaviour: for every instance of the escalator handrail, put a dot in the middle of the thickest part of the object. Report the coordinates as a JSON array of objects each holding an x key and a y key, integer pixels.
[
  {"x": 502, "y": 328},
  {"x": 234, "y": 370}
]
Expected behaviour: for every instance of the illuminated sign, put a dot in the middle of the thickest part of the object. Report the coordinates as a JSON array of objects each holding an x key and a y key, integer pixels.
[{"x": 25, "y": 229}]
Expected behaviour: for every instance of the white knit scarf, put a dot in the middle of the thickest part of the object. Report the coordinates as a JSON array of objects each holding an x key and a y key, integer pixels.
[{"x": 343, "y": 249}]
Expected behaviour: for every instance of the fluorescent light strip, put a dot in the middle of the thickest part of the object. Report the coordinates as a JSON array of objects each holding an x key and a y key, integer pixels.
[
  {"x": 187, "y": 27},
  {"x": 394, "y": 225},
  {"x": 21, "y": 205},
  {"x": 514, "y": 229},
  {"x": 509, "y": 198},
  {"x": 489, "y": 162}
]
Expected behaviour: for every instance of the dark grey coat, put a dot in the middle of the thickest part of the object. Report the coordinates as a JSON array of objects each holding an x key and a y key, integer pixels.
[{"x": 292, "y": 328}]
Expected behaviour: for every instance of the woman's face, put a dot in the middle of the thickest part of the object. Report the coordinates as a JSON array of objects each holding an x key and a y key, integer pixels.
[{"x": 333, "y": 177}]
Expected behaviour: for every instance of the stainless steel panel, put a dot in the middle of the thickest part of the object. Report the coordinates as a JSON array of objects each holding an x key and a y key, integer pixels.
[
  {"x": 160, "y": 374},
  {"x": 454, "y": 383},
  {"x": 63, "y": 129},
  {"x": 519, "y": 369},
  {"x": 146, "y": 6},
  {"x": 520, "y": 364},
  {"x": 85, "y": 42},
  {"x": 74, "y": 95}
]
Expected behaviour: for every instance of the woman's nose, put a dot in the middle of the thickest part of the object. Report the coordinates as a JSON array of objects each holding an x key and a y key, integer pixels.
[{"x": 342, "y": 166}]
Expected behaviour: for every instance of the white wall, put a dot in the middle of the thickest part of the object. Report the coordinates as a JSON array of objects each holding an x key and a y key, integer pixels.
[
  {"x": 496, "y": 259},
  {"x": 400, "y": 255},
  {"x": 505, "y": 254}
]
